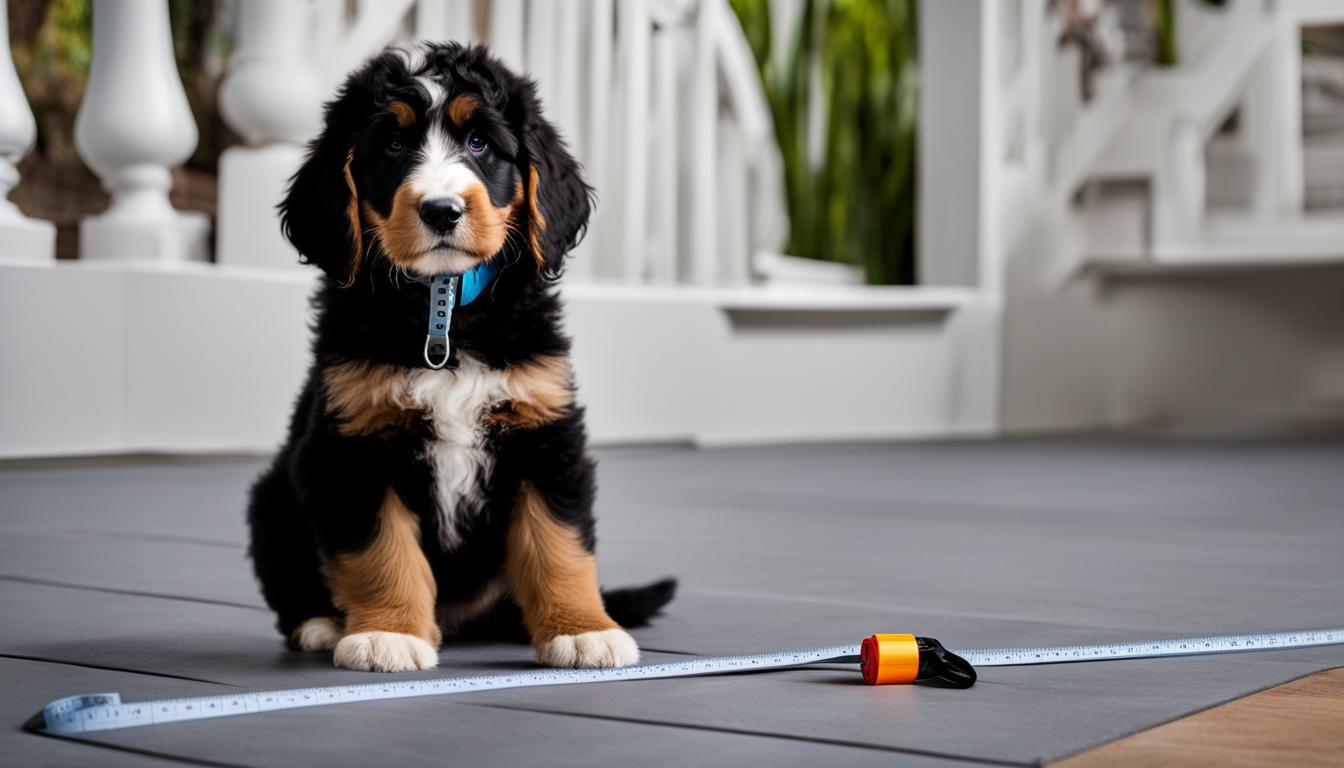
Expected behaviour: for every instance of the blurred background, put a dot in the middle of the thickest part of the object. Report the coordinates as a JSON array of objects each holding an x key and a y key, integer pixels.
[{"x": 817, "y": 219}]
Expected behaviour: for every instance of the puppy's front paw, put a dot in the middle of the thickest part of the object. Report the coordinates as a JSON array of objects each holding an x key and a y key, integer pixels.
[
  {"x": 320, "y": 633},
  {"x": 384, "y": 652},
  {"x": 587, "y": 650}
]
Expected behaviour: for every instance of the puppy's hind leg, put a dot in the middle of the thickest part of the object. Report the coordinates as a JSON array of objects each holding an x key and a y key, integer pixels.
[
  {"x": 320, "y": 633},
  {"x": 287, "y": 564}
]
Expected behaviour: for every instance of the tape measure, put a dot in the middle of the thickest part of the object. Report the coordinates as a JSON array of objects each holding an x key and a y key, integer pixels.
[{"x": 884, "y": 659}]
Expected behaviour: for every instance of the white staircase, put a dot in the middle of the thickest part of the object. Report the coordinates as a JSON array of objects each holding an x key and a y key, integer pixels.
[
  {"x": 1209, "y": 167},
  {"x": 1159, "y": 263}
]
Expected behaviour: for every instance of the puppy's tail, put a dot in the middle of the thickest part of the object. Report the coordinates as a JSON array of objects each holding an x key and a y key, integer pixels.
[
  {"x": 634, "y": 606},
  {"x": 628, "y": 606}
]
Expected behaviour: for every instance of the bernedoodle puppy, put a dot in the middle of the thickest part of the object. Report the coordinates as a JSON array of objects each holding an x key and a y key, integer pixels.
[{"x": 436, "y": 475}]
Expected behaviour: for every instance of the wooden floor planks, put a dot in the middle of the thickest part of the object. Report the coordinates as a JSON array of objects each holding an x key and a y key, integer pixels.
[{"x": 1299, "y": 723}]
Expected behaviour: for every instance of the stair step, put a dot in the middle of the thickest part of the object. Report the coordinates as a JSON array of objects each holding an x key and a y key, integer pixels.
[{"x": 1233, "y": 241}]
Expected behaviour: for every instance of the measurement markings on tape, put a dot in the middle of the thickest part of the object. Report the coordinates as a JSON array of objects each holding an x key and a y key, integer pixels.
[
  {"x": 106, "y": 711},
  {"x": 1184, "y": 646}
]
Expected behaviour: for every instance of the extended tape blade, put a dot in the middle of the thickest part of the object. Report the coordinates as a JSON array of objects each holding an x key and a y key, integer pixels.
[
  {"x": 106, "y": 711},
  {"x": 1149, "y": 649}
]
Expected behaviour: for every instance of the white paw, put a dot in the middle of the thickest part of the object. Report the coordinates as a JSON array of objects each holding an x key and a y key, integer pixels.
[
  {"x": 384, "y": 652},
  {"x": 604, "y": 648},
  {"x": 319, "y": 634}
]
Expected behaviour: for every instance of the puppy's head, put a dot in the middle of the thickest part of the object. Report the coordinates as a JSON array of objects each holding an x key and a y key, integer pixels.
[{"x": 435, "y": 160}]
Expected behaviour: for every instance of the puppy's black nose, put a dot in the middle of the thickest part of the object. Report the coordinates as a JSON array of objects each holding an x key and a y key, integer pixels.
[{"x": 441, "y": 214}]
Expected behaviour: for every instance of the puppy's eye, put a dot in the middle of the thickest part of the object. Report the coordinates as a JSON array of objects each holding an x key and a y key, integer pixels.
[
  {"x": 395, "y": 147},
  {"x": 477, "y": 144}
]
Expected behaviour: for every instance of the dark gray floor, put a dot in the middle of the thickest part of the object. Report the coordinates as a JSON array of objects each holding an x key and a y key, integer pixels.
[{"x": 131, "y": 577}]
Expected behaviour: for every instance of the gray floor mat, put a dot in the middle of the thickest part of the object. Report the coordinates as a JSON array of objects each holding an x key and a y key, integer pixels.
[{"x": 140, "y": 567}]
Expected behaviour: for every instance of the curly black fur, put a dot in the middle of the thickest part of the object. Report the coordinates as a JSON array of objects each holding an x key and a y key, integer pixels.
[{"x": 321, "y": 494}]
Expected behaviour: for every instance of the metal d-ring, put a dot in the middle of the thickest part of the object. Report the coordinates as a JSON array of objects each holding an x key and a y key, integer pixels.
[{"x": 430, "y": 339}]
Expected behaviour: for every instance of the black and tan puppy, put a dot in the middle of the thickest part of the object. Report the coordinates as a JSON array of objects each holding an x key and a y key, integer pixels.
[{"x": 409, "y": 499}]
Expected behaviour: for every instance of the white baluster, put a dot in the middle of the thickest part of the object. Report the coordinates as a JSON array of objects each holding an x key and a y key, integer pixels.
[
  {"x": 446, "y": 20},
  {"x": 663, "y": 220},
  {"x": 1271, "y": 117},
  {"x": 592, "y": 140},
  {"x": 507, "y": 23},
  {"x": 326, "y": 29},
  {"x": 732, "y": 176},
  {"x": 20, "y": 236},
  {"x": 272, "y": 97},
  {"x": 1179, "y": 189},
  {"x": 540, "y": 52},
  {"x": 633, "y": 48},
  {"x": 702, "y": 112},
  {"x": 750, "y": 165},
  {"x": 565, "y": 97},
  {"x": 270, "y": 93},
  {"x": 133, "y": 126}
]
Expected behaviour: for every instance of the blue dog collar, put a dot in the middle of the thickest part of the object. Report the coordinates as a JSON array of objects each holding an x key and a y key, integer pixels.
[{"x": 447, "y": 291}]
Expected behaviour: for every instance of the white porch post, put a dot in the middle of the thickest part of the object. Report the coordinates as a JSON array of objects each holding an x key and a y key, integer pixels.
[
  {"x": 1179, "y": 189},
  {"x": 272, "y": 97},
  {"x": 956, "y": 126},
  {"x": 133, "y": 126},
  {"x": 20, "y": 236},
  {"x": 1273, "y": 124}
]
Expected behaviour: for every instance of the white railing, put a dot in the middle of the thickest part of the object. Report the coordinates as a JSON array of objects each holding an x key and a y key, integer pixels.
[{"x": 658, "y": 98}]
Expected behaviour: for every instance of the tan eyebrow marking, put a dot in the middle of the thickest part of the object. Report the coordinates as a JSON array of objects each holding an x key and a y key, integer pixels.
[
  {"x": 462, "y": 107},
  {"x": 403, "y": 112}
]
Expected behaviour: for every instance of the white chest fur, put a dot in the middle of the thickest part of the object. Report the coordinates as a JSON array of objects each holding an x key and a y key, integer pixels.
[
  {"x": 455, "y": 403},
  {"x": 369, "y": 398}
]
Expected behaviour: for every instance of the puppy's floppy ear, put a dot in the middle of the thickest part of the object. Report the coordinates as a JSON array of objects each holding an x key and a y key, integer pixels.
[
  {"x": 558, "y": 200},
  {"x": 320, "y": 212}
]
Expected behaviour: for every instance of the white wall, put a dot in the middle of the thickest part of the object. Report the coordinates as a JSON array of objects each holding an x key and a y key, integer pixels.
[
  {"x": 201, "y": 358},
  {"x": 98, "y": 358},
  {"x": 682, "y": 367},
  {"x": 1197, "y": 351}
]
